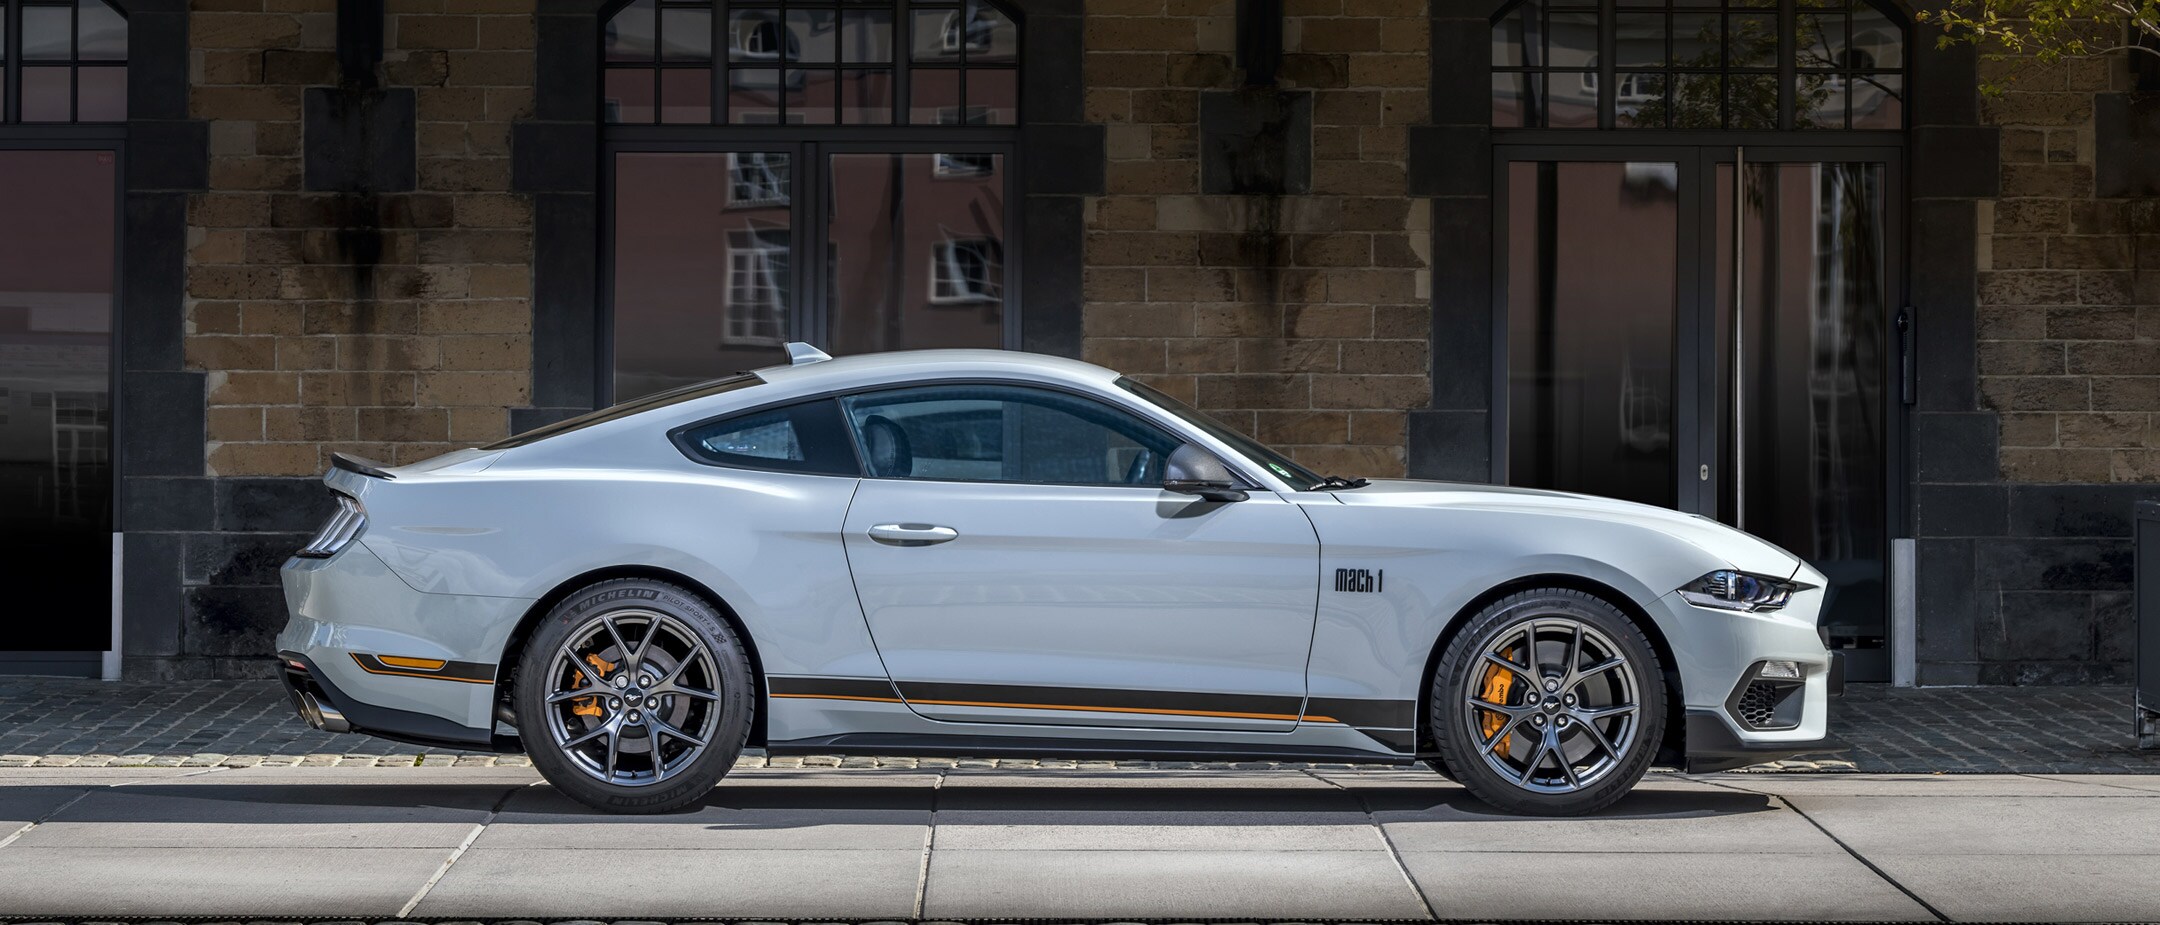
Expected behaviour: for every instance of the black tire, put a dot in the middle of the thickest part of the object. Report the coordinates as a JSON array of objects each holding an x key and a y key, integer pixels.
[
  {"x": 678, "y": 786},
  {"x": 1528, "y": 780}
]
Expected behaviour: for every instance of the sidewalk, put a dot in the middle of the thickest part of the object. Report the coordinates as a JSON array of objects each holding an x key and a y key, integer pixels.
[
  {"x": 1345, "y": 845},
  {"x": 2003, "y": 730}
]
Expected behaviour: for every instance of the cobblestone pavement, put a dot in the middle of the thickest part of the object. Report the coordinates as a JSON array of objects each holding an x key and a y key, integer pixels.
[{"x": 246, "y": 723}]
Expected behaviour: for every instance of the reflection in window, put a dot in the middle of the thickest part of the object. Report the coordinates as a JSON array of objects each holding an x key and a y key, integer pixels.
[
  {"x": 700, "y": 282},
  {"x": 815, "y": 62},
  {"x": 56, "y": 328},
  {"x": 69, "y": 60},
  {"x": 757, "y": 179},
  {"x": 757, "y": 286},
  {"x": 925, "y": 252},
  {"x": 967, "y": 271},
  {"x": 1696, "y": 64}
]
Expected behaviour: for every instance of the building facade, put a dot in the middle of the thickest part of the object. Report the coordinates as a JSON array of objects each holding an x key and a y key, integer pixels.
[{"x": 1777, "y": 262}]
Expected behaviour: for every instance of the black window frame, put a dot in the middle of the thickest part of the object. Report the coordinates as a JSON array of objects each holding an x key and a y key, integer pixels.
[
  {"x": 12, "y": 62},
  {"x": 1535, "y": 72}
]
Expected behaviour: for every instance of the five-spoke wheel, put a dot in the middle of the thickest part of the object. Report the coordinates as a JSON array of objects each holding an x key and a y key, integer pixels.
[
  {"x": 1548, "y": 702},
  {"x": 634, "y": 696}
]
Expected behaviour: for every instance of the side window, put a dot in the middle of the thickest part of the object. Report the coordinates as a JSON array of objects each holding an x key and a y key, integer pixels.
[
  {"x": 994, "y": 433},
  {"x": 798, "y": 438}
]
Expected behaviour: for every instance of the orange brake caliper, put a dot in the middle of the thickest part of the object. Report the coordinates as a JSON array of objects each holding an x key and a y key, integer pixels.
[
  {"x": 590, "y": 706},
  {"x": 1498, "y": 682}
]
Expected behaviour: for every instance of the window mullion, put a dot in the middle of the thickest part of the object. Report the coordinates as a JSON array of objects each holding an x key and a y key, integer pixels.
[
  {"x": 1788, "y": 70},
  {"x": 903, "y": 54},
  {"x": 1608, "y": 70},
  {"x": 720, "y": 59}
]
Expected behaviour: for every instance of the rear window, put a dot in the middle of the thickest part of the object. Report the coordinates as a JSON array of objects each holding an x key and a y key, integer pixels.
[
  {"x": 628, "y": 408},
  {"x": 806, "y": 437}
]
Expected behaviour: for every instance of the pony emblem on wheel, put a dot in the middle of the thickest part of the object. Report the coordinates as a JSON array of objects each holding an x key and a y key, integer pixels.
[{"x": 983, "y": 553}]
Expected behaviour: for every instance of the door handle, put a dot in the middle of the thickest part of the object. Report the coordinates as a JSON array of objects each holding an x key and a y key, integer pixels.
[{"x": 912, "y": 534}]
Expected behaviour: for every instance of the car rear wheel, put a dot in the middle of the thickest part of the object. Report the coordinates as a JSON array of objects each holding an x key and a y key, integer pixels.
[
  {"x": 1549, "y": 702},
  {"x": 634, "y": 696}
]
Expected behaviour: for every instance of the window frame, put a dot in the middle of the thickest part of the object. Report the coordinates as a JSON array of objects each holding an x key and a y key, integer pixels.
[
  {"x": 1533, "y": 71},
  {"x": 12, "y": 63}
]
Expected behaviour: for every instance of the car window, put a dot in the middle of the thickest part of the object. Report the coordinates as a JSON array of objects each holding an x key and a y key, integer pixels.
[
  {"x": 806, "y": 437},
  {"x": 997, "y": 433}
]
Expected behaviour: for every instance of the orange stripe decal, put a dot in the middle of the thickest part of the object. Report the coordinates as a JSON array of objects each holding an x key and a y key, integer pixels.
[
  {"x": 401, "y": 661},
  {"x": 1057, "y": 706}
]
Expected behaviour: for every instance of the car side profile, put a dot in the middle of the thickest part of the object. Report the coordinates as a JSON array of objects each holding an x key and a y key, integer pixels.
[{"x": 973, "y": 553}]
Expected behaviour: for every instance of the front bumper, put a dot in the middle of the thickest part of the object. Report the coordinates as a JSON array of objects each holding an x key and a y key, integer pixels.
[{"x": 1713, "y": 745}]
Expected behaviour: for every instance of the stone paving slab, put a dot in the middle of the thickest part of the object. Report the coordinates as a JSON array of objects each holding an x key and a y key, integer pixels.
[{"x": 249, "y": 723}]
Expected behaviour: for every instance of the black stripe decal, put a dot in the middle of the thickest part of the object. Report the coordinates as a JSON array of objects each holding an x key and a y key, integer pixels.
[
  {"x": 466, "y": 672},
  {"x": 1107, "y": 699},
  {"x": 1387, "y": 714},
  {"x": 847, "y": 688}
]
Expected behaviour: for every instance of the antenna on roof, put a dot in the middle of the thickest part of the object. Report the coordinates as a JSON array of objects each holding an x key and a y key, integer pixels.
[{"x": 801, "y": 354}]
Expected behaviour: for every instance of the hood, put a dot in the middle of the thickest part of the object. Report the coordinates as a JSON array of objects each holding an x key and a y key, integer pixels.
[{"x": 1741, "y": 550}]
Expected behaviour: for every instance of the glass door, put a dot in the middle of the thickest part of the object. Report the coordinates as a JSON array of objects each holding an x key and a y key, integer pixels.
[
  {"x": 1638, "y": 368},
  {"x": 57, "y": 286},
  {"x": 1802, "y": 282}
]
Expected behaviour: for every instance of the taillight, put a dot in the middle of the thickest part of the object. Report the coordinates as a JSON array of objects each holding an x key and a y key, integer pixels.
[{"x": 340, "y": 530}]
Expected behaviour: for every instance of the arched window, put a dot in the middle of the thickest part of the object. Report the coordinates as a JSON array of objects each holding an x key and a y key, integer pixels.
[
  {"x": 839, "y": 172},
  {"x": 63, "y": 62},
  {"x": 1698, "y": 64}
]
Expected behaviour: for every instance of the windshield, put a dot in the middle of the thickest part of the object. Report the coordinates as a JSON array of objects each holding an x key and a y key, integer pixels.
[
  {"x": 628, "y": 408},
  {"x": 1299, "y": 477}
]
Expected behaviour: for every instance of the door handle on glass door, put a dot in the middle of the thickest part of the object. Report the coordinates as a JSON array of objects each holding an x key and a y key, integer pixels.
[{"x": 912, "y": 534}]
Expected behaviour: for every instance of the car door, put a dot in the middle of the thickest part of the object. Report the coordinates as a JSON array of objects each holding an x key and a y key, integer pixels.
[{"x": 1019, "y": 562}]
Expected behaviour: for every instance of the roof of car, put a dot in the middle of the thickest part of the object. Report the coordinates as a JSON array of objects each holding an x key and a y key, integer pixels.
[{"x": 840, "y": 372}]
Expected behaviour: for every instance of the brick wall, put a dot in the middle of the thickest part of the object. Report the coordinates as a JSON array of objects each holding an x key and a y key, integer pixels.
[
  {"x": 1301, "y": 319},
  {"x": 2069, "y": 326},
  {"x": 395, "y": 325}
]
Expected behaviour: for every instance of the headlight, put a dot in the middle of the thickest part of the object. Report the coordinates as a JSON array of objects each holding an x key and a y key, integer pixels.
[
  {"x": 343, "y": 526},
  {"x": 1729, "y": 590}
]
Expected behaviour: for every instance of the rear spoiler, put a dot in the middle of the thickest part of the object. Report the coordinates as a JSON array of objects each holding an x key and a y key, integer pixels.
[{"x": 360, "y": 465}]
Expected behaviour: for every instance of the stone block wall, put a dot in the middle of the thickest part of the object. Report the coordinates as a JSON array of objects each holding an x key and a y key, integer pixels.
[
  {"x": 2046, "y": 435},
  {"x": 2069, "y": 288},
  {"x": 1300, "y": 316},
  {"x": 394, "y": 323}
]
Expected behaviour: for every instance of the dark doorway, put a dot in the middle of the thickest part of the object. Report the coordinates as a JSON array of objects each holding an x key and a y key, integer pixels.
[
  {"x": 57, "y": 269},
  {"x": 1638, "y": 369}
]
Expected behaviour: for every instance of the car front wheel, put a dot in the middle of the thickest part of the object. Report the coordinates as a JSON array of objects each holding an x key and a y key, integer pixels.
[
  {"x": 634, "y": 696},
  {"x": 1549, "y": 702}
]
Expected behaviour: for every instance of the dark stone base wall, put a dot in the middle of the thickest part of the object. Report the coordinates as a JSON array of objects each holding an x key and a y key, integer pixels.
[
  {"x": 201, "y": 597},
  {"x": 2027, "y": 584}
]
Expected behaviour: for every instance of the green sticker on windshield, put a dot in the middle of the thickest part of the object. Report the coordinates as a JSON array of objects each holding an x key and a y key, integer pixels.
[{"x": 1279, "y": 470}]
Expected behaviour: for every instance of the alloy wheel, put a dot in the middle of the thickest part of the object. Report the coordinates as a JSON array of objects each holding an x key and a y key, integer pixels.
[
  {"x": 1552, "y": 705},
  {"x": 633, "y": 697}
]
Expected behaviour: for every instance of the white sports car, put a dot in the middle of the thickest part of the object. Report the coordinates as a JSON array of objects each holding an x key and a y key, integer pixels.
[{"x": 996, "y": 553}]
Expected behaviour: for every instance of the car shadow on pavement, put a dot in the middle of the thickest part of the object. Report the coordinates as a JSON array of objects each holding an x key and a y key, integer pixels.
[{"x": 809, "y": 798}]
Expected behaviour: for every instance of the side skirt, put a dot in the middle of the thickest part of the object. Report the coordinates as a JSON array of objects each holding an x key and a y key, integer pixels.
[{"x": 970, "y": 746}]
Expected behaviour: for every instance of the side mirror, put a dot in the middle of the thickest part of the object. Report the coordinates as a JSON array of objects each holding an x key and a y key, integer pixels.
[{"x": 1191, "y": 470}]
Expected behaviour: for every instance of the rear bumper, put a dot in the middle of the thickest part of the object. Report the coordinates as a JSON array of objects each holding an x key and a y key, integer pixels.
[
  {"x": 319, "y": 701},
  {"x": 1713, "y": 745}
]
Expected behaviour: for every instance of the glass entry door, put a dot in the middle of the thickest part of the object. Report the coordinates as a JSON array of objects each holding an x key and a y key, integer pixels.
[{"x": 1638, "y": 368}]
